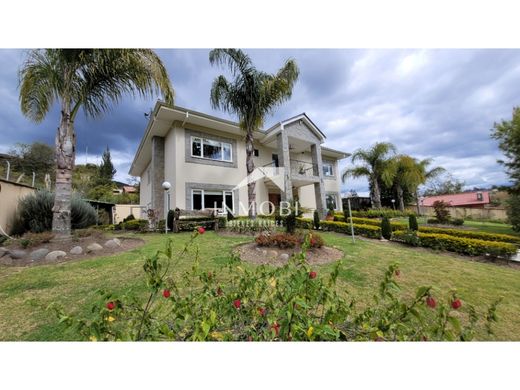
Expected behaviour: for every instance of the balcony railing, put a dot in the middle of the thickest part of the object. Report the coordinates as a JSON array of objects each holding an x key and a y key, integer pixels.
[{"x": 304, "y": 168}]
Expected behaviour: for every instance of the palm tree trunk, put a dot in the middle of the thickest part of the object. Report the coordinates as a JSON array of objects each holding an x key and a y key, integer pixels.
[
  {"x": 400, "y": 197},
  {"x": 376, "y": 195},
  {"x": 250, "y": 165},
  {"x": 65, "y": 155}
]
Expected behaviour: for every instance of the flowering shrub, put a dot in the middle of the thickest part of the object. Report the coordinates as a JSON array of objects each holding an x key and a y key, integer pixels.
[
  {"x": 292, "y": 302},
  {"x": 287, "y": 240},
  {"x": 250, "y": 226}
]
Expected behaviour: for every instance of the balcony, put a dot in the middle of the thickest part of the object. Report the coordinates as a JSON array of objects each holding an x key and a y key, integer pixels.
[{"x": 304, "y": 168}]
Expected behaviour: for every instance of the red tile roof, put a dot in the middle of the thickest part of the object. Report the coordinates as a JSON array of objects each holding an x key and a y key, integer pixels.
[{"x": 464, "y": 199}]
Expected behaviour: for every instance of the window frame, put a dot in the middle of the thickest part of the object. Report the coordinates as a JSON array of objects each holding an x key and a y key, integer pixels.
[
  {"x": 223, "y": 192},
  {"x": 201, "y": 141},
  {"x": 327, "y": 164}
]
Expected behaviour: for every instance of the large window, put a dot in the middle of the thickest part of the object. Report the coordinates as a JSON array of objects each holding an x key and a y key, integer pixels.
[
  {"x": 210, "y": 149},
  {"x": 327, "y": 169},
  {"x": 331, "y": 201},
  {"x": 204, "y": 199}
]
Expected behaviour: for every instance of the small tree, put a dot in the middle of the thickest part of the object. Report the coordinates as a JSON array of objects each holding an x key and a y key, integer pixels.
[
  {"x": 442, "y": 214},
  {"x": 513, "y": 211},
  {"x": 106, "y": 170},
  {"x": 412, "y": 222},
  {"x": 316, "y": 220},
  {"x": 386, "y": 228}
]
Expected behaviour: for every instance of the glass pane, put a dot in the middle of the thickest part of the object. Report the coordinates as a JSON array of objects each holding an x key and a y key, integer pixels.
[
  {"x": 196, "y": 147},
  {"x": 229, "y": 200},
  {"x": 227, "y": 151},
  {"x": 212, "y": 149},
  {"x": 197, "y": 200},
  {"x": 212, "y": 200},
  {"x": 327, "y": 170}
]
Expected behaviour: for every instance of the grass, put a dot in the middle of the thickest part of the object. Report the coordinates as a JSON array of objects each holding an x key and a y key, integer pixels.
[
  {"x": 487, "y": 227},
  {"x": 26, "y": 292}
]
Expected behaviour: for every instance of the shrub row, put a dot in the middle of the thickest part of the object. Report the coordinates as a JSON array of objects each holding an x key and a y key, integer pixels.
[
  {"x": 369, "y": 231},
  {"x": 377, "y": 222},
  {"x": 471, "y": 234},
  {"x": 461, "y": 245},
  {"x": 305, "y": 223},
  {"x": 287, "y": 240},
  {"x": 378, "y": 213}
]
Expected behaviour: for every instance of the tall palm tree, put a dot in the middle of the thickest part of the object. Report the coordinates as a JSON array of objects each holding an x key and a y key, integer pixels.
[
  {"x": 91, "y": 79},
  {"x": 251, "y": 95},
  {"x": 375, "y": 167},
  {"x": 405, "y": 173},
  {"x": 428, "y": 175}
]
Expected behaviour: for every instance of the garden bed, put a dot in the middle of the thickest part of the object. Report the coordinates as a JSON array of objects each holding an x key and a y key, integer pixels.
[
  {"x": 252, "y": 253},
  {"x": 62, "y": 251}
]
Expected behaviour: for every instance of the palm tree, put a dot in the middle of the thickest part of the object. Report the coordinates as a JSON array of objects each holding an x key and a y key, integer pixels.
[
  {"x": 405, "y": 173},
  {"x": 428, "y": 175},
  {"x": 91, "y": 79},
  {"x": 375, "y": 167},
  {"x": 251, "y": 95}
]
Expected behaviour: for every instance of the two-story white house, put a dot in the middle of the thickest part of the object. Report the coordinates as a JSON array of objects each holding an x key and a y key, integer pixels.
[{"x": 204, "y": 159}]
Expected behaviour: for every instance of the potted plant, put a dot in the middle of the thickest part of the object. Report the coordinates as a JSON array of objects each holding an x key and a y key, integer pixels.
[{"x": 330, "y": 215}]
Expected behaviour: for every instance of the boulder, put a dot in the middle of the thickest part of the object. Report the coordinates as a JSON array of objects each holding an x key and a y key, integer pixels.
[
  {"x": 17, "y": 254},
  {"x": 94, "y": 247},
  {"x": 77, "y": 250},
  {"x": 55, "y": 255},
  {"x": 284, "y": 257},
  {"x": 38, "y": 254},
  {"x": 273, "y": 253},
  {"x": 113, "y": 243},
  {"x": 4, "y": 251}
]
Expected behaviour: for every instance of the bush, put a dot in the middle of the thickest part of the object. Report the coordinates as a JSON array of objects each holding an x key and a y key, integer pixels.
[
  {"x": 457, "y": 222},
  {"x": 289, "y": 303},
  {"x": 377, "y": 222},
  {"x": 379, "y": 213},
  {"x": 368, "y": 231},
  {"x": 129, "y": 218},
  {"x": 412, "y": 223},
  {"x": 250, "y": 226},
  {"x": 386, "y": 229},
  {"x": 136, "y": 225},
  {"x": 35, "y": 213},
  {"x": 471, "y": 234},
  {"x": 461, "y": 245},
  {"x": 433, "y": 221},
  {"x": 442, "y": 214},
  {"x": 513, "y": 211},
  {"x": 305, "y": 223},
  {"x": 316, "y": 220},
  {"x": 33, "y": 239},
  {"x": 287, "y": 240}
]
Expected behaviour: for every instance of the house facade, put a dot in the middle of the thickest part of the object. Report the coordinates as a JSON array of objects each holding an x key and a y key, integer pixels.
[{"x": 204, "y": 159}]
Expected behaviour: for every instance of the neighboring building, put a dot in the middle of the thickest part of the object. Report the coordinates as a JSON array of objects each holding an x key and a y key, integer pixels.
[
  {"x": 10, "y": 195},
  {"x": 475, "y": 199},
  {"x": 204, "y": 159}
]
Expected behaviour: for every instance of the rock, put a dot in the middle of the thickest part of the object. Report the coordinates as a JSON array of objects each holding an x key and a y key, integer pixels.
[
  {"x": 264, "y": 252},
  {"x": 77, "y": 250},
  {"x": 38, "y": 254},
  {"x": 17, "y": 254},
  {"x": 3, "y": 251},
  {"x": 55, "y": 255},
  {"x": 113, "y": 244},
  {"x": 284, "y": 257},
  {"x": 273, "y": 253},
  {"x": 94, "y": 247}
]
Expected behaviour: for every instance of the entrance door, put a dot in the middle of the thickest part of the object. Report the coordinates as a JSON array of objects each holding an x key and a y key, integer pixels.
[{"x": 274, "y": 199}]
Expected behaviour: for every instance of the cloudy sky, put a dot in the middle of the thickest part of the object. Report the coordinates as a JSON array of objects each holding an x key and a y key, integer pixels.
[{"x": 438, "y": 104}]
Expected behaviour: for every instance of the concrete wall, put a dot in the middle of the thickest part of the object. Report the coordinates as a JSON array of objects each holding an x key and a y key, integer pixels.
[
  {"x": 498, "y": 214},
  {"x": 10, "y": 195},
  {"x": 121, "y": 211}
]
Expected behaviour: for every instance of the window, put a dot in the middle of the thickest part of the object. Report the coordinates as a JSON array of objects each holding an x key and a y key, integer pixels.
[
  {"x": 327, "y": 169},
  {"x": 211, "y": 149},
  {"x": 256, "y": 153},
  {"x": 330, "y": 200},
  {"x": 202, "y": 199},
  {"x": 275, "y": 160}
]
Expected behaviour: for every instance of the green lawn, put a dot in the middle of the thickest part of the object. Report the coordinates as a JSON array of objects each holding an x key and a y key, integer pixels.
[
  {"x": 487, "y": 227},
  {"x": 25, "y": 292}
]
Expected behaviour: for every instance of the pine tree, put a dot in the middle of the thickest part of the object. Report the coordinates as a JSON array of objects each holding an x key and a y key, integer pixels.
[{"x": 106, "y": 169}]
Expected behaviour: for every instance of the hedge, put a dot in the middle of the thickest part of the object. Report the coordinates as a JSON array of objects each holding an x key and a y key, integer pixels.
[
  {"x": 369, "y": 231},
  {"x": 380, "y": 213},
  {"x": 305, "y": 223},
  {"x": 377, "y": 222},
  {"x": 461, "y": 245},
  {"x": 471, "y": 234}
]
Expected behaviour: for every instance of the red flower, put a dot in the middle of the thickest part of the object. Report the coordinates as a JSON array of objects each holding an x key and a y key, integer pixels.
[
  {"x": 166, "y": 293},
  {"x": 219, "y": 291},
  {"x": 397, "y": 272},
  {"x": 312, "y": 275},
  {"x": 237, "y": 303},
  {"x": 111, "y": 305},
  {"x": 201, "y": 230},
  {"x": 456, "y": 304},
  {"x": 261, "y": 311},
  {"x": 276, "y": 328},
  {"x": 313, "y": 242},
  {"x": 430, "y": 301}
]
